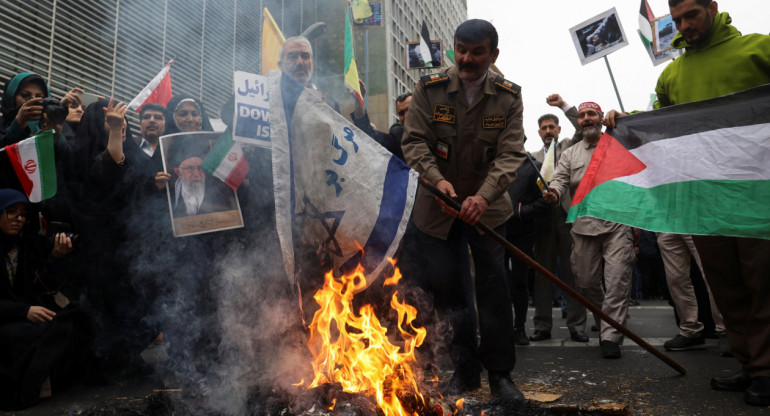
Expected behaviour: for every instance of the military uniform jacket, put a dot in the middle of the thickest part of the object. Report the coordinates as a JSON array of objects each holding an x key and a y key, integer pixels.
[{"x": 476, "y": 147}]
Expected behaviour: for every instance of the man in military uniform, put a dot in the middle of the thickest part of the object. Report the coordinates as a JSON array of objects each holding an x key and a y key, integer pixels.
[{"x": 464, "y": 135}]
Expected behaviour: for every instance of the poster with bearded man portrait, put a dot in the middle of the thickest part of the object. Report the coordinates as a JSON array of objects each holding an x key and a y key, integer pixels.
[{"x": 198, "y": 202}]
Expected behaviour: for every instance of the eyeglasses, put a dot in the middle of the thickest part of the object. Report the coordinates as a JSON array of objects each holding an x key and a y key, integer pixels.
[
  {"x": 12, "y": 214},
  {"x": 191, "y": 168},
  {"x": 158, "y": 117}
]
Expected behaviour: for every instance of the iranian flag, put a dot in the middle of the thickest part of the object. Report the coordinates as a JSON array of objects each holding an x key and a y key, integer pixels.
[
  {"x": 698, "y": 168},
  {"x": 226, "y": 161},
  {"x": 33, "y": 161}
]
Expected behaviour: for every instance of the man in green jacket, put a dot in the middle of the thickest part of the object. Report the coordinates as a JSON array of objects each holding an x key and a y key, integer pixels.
[{"x": 718, "y": 60}]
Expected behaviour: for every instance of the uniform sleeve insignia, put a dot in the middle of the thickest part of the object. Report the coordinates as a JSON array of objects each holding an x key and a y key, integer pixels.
[
  {"x": 507, "y": 85},
  {"x": 434, "y": 79},
  {"x": 442, "y": 150},
  {"x": 444, "y": 113}
]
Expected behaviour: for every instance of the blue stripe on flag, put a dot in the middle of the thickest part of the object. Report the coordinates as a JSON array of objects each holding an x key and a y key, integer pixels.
[{"x": 394, "y": 195}]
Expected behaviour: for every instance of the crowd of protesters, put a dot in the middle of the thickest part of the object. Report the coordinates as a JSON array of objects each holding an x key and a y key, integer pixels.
[
  {"x": 87, "y": 271},
  {"x": 77, "y": 297}
]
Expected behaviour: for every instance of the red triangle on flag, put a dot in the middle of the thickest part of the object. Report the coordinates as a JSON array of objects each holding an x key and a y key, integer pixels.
[{"x": 610, "y": 160}]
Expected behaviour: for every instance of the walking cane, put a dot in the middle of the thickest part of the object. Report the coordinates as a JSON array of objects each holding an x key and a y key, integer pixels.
[{"x": 555, "y": 280}]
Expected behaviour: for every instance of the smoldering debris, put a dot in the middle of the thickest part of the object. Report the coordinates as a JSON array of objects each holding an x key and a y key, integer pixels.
[{"x": 325, "y": 400}]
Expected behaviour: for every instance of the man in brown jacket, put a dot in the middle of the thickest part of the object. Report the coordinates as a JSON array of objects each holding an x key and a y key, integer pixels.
[{"x": 464, "y": 134}]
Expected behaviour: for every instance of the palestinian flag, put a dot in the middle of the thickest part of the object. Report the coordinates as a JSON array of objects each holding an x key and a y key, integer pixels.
[
  {"x": 698, "y": 168},
  {"x": 425, "y": 52},
  {"x": 226, "y": 161},
  {"x": 33, "y": 161},
  {"x": 645, "y": 23}
]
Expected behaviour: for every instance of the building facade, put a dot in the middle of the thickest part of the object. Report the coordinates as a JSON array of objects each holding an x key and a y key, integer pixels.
[{"x": 113, "y": 48}]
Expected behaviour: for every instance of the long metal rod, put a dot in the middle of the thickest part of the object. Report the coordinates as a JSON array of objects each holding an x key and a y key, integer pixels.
[
  {"x": 606, "y": 61},
  {"x": 555, "y": 280}
]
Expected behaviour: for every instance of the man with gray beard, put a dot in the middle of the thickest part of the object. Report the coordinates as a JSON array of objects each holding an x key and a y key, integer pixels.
[
  {"x": 193, "y": 194},
  {"x": 596, "y": 239}
]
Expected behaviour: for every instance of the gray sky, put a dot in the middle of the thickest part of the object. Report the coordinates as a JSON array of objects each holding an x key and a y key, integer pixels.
[{"x": 537, "y": 52}]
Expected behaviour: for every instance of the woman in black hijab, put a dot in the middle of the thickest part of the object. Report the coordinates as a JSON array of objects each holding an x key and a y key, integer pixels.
[
  {"x": 108, "y": 167},
  {"x": 185, "y": 113},
  {"x": 40, "y": 329}
]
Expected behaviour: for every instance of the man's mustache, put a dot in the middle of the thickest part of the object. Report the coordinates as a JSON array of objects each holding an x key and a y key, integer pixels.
[{"x": 468, "y": 65}]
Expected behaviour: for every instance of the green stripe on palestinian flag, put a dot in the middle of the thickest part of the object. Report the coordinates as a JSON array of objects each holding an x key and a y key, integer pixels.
[
  {"x": 698, "y": 168},
  {"x": 33, "y": 161},
  {"x": 226, "y": 161}
]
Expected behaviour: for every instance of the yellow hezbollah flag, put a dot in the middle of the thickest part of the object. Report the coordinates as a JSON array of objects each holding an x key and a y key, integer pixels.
[
  {"x": 361, "y": 10},
  {"x": 351, "y": 71},
  {"x": 272, "y": 39}
]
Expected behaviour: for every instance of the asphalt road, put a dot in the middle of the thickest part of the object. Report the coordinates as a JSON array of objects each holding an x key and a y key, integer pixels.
[{"x": 573, "y": 373}]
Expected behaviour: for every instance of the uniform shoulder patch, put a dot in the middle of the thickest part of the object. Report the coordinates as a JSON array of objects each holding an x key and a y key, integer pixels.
[
  {"x": 434, "y": 79},
  {"x": 506, "y": 85}
]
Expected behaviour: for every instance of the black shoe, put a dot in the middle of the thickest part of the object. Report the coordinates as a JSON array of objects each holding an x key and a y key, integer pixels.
[
  {"x": 579, "y": 336},
  {"x": 520, "y": 336},
  {"x": 683, "y": 343},
  {"x": 540, "y": 335},
  {"x": 460, "y": 384},
  {"x": 758, "y": 393},
  {"x": 595, "y": 328},
  {"x": 609, "y": 349},
  {"x": 502, "y": 387},
  {"x": 734, "y": 382}
]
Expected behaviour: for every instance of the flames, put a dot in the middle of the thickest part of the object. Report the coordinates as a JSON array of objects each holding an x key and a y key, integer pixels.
[{"x": 353, "y": 349}]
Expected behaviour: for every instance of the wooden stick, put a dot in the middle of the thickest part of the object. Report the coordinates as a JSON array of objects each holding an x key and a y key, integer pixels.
[{"x": 555, "y": 280}]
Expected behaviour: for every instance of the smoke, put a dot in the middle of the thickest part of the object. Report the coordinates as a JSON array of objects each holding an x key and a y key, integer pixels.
[{"x": 231, "y": 325}]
